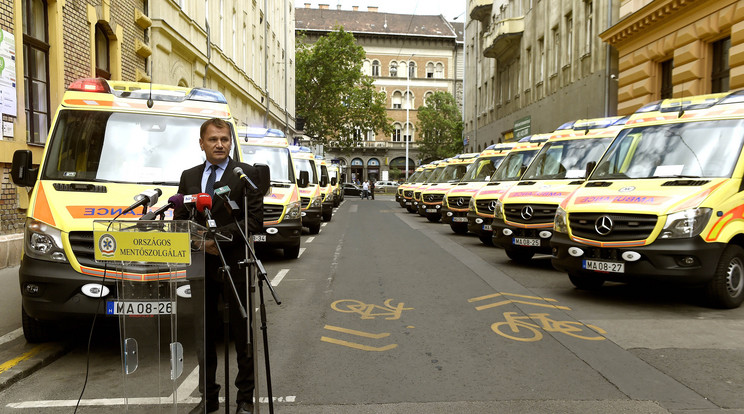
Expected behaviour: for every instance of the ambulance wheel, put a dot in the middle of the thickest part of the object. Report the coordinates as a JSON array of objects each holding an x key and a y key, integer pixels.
[
  {"x": 327, "y": 215},
  {"x": 726, "y": 289},
  {"x": 459, "y": 228},
  {"x": 314, "y": 228},
  {"x": 292, "y": 252},
  {"x": 486, "y": 239},
  {"x": 519, "y": 256},
  {"x": 585, "y": 282},
  {"x": 434, "y": 218},
  {"x": 34, "y": 330},
  {"x": 411, "y": 209}
]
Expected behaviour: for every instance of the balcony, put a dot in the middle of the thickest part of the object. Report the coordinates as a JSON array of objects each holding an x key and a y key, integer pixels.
[
  {"x": 503, "y": 39},
  {"x": 481, "y": 10}
]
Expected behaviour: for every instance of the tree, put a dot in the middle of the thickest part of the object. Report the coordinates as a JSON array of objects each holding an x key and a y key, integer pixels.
[
  {"x": 338, "y": 102},
  {"x": 440, "y": 125}
]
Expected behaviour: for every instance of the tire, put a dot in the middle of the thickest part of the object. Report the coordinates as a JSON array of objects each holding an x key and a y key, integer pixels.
[
  {"x": 327, "y": 215},
  {"x": 486, "y": 239},
  {"x": 292, "y": 252},
  {"x": 36, "y": 331},
  {"x": 459, "y": 228},
  {"x": 519, "y": 256},
  {"x": 314, "y": 229},
  {"x": 726, "y": 289},
  {"x": 411, "y": 209},
  {"x": 586, "y": 282},
  {"x": 434, "y": 218}
]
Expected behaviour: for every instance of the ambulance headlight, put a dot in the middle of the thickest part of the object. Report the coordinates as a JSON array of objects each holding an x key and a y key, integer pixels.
[
  {"x": 44, "y": 242},
  {"x": 317, "y": 202},
  {"x": 498, "y": 213},
  {"x": 560, "y": 223},
  {"x": 686, "y": 224},
  {"x": 471, "y": 204},
  {"x": 293, "y": 210}
]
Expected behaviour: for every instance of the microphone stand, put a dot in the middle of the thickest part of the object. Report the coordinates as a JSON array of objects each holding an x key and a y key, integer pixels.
[
  {"x": 228, "y": 290},
  {"x": 252, "y": 262}
]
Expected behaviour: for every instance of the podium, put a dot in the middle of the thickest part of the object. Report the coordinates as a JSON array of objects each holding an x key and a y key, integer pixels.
[{"x": 158, "y": 267}]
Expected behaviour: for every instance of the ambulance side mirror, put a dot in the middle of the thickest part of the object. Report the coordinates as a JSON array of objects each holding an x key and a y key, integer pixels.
[
  {"x": 323, "y": 181},
  {"x": 264, "y": 178},
  {"x": 22, "y": 172},
  {"x": 589, "y": 168},
  {"x": 334, "y": 181},
  {"x": 304, "y": 179}
]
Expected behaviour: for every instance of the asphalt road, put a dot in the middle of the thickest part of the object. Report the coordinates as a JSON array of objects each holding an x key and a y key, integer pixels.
[{"x": 385, "y": 312}]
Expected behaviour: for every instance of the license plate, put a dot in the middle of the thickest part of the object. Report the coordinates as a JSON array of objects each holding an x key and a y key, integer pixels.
[
  {"x": 140, "y": 308},
  {"x": 459, "y": 219},
  {"x": 599, "y": 266},
  {"x": 432, "y": 210},
  {"x": 408, "y": 203},
  {"x": 487, "y": 227},
  {"x": 526, "y": 242},
  {"x": 259, "y": 237}
]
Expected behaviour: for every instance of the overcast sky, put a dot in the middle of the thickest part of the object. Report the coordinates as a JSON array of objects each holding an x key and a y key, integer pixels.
[{"x": 449, "y": 8}]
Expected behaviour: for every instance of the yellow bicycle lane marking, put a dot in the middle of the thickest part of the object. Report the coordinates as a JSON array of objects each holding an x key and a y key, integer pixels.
[
  {"x": 508, "y": 301},
  {"x": 357, "y": 333}
]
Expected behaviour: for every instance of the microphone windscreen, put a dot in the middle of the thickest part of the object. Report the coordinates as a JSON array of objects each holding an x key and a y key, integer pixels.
[
  {"x": 203, "y": 200},
  {"x": 176, "y": 200},
  {"x": 238, "y": 171}
]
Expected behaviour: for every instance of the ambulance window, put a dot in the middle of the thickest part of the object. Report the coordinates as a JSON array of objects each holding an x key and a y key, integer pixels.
[{"x": 276, "y": 158}]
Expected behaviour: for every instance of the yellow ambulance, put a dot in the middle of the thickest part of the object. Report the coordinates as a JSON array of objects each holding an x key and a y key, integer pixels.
[
  {"x": 399, "y": 193},
  {"x": 109, "y": 142},
  {"x": 523, "y": 215},
  {"x": 408, "y": 192},
  {"x": 480, "y": 205},
  {"x": 664, "y": 202},
  {"x": 303, "y": 159},
  {"x": 418, "y": 203},
  {"x": 454, "y": 171},
  {"x": 334, "y": 172},
  {"x": 282, "y": 216},
  {"x": 326, "y": 191},
  {"x": 477, "y": 175}
]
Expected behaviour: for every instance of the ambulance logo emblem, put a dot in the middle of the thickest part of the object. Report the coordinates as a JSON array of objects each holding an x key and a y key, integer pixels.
[{"x": 107, "y": 245}]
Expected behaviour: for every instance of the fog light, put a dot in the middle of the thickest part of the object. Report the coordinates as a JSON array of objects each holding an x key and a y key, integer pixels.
[
  {"x": 304, "y": 214},
  {"x": 575, "y": 252},
  {"x": 184, "y": 291},
  {"x": 438, "y": 207},
  {"x": 545, "y": 234},
  {"x": 272, "y": 230},
  {"x": 94, "y": 290},
  {"x": 479, "y": 221},
  {"x": 32, "y": 289},
  {"x": 59, "y": 256},
  {"x": 631, "y": 256},
  {"x": 507, "y": 232},
  {"x": 449, "y": 214},
  {"x": 688, "y": 261}
]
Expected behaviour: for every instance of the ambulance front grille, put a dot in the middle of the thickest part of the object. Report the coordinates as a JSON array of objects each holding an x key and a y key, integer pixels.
[
  {"x": 485, "y": 206},
  {"x": 272, "y": 212},
  {"x": 530, "y": 213},
  {"x": 622, "y": 227}
]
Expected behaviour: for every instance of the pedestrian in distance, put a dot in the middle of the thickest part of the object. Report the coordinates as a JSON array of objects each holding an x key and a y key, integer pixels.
[
  {"x": 216, "y": 142},
  {"x": 365, "y": 190},
  {"x": 372, "y": 189}
]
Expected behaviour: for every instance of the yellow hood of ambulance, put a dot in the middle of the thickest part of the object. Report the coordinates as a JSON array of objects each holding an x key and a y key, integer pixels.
[
  {"x": 542, "y": 192},
  {"x": 640, "y": 196},
  {"x": 73, "y": 208},
  {"x": 494, "y": 191},
  {"x": 281, "y": 195},
  {"x": 467, "y": 189},
  {"x": 438, "y": 188}
]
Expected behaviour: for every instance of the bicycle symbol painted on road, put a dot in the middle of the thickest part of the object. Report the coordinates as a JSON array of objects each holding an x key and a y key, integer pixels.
[
  {"x": 370, "y": 311},
  {"x": 519, "y": 328}
]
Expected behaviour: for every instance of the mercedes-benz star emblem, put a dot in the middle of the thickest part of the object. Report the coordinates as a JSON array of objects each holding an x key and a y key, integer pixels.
[
  {"x": 603, "y": 225},
  {"x": 460, "y": 201},
  {"x": 527, "y": 212},
  {"x": 492, "y": 206}
]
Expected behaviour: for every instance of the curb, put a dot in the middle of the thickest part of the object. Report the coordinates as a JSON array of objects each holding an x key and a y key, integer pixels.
[{"x": 29, "y": 359}]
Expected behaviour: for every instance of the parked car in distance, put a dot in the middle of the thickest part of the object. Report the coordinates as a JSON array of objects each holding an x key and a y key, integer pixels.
[
  {"x": 351, "y": 189},
  {"x": 386, "y": 185}
]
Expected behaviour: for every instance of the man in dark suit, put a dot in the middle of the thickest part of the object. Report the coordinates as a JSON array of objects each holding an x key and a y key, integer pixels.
[{"x": 216, "y": 142}]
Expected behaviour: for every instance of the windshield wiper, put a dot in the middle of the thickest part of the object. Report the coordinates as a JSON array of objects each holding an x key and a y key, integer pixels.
[{"x": 675, "y": 176}]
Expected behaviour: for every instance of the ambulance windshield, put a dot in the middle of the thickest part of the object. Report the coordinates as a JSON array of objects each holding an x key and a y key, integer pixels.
[
  {"x": 276, "y": 158},
  {"x": 122, "y": 147},
  {"x": 566, "y": 159},
  {"x": 706, "y": 149}
]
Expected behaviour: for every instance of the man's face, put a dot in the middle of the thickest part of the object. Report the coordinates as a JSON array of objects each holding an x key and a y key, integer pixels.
[{"x": 216, "y": 144}]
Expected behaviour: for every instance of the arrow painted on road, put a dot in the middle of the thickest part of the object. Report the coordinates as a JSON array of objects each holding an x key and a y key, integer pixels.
[{"x": 357, "y": 333}]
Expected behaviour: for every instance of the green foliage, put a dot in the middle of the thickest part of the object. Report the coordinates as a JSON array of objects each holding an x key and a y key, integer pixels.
[
  {"x": 440, "y": 127},
  {"x": 333, "y": 95}
]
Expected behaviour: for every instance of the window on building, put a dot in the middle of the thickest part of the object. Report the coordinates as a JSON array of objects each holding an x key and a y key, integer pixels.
[
  {"x": 569, "y": 38},
  {"x": 540, "y": 59},
  {"x": 222, "y": 23},
  {"x": 439, "y": 71},
  {"x": 720, "y": 74},
  {"x": 588, "y": 26},
  {"x": 428, "y": 96},
  {"x": 528, "y": 75},
  {"x": 375, "y": 68},
  {"x": 36, "y": 69},
  {"x": 556, "y": 49},
  {"x": 397, "y": 100},
  {"x": 411, "y": 69},
  {"x": 408, "y": 133},
  {"x": 408, "y": 100},
  {"x": 366, "y": 67},
  {"x": 245, "y": 42},
  {"x": 394, "y": 69},
  {"x": 667, "y": 89},
  {"x": 235, "y": 35},
  {"x": 430, "y": 70},
  {"x": 396, "y": 132},
  {"x": 103, "y": 57}
]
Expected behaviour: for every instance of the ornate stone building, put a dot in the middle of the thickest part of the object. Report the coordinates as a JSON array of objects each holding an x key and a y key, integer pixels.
[
  {"x": 409, "y": 57},
  {"x": 534, "y": 64}
]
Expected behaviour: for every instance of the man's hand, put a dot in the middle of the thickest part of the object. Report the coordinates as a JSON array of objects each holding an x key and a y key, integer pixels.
[{"x": 211, "y": 247}]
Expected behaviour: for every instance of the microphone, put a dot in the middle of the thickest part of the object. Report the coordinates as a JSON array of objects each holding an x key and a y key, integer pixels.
[
  {"x": 147, "y": 197},
  {"x": 203, "y": 205},
  {"x": 174, "y": 202},
  {"x": 239, "y": 172},
  {"x": 224, "y": 193}
]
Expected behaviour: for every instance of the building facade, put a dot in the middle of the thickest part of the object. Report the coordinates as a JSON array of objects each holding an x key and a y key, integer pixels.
[
  {"x": 244, "y": 51},
  {"x": 532, "y": 65},
  {"x": 677, "y": 48},
  {"x": 409, "y": 57}
]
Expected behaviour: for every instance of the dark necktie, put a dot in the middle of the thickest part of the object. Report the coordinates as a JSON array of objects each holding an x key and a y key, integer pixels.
[{"x": 209, "y": 188}]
